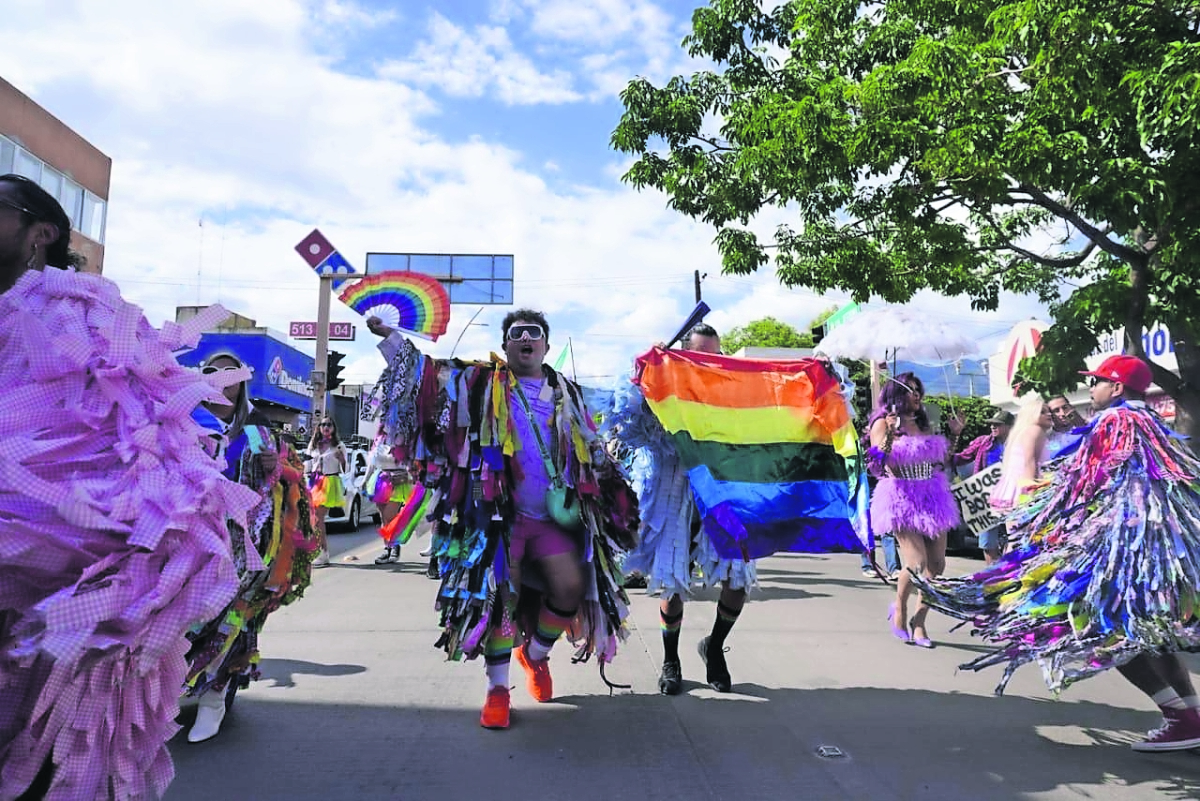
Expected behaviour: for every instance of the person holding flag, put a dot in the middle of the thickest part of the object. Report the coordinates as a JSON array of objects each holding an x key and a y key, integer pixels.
[{"x": 734, "y": 460}]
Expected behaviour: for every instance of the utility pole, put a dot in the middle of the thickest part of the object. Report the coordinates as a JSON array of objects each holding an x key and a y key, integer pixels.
[
  {"x": 697, "y": 275},
  {"x": 321, "y": 357}
]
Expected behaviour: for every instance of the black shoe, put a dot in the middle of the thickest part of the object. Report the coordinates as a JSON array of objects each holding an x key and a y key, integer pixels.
[
  {"x": 385, "y": 558},
  {"x": 714, "y": 665},
  {"x": 432, "y": 571},
  {"x": 635, "y": 581},
  {"x": 671, "y": 680}
]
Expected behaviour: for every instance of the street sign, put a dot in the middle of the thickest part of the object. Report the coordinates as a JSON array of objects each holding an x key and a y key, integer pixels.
[
  {"x": 321, "y": 255},
  {"x": 340, "y": 331},
  {"x": 479, "y": 279}
]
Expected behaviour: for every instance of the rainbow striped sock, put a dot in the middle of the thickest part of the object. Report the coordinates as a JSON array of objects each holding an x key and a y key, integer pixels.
[
  {"x": 670, "y": 624},
  {"x": 498, "y": 650},
  {"x": 550, "y": 626},
  {"x": 497, "y": 655}
]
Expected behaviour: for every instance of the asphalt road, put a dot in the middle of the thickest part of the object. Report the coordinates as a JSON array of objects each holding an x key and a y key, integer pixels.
[{"x": 355, "y": 703}]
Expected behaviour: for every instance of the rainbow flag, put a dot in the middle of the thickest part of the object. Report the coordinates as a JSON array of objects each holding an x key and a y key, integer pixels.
[{"x": 766, "y": 445}]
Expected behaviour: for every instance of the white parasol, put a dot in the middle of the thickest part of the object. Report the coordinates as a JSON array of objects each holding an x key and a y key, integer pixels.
[{"x": 894, "y": 332}]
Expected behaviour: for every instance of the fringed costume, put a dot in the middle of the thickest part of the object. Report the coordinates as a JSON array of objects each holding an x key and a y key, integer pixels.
[
  {"x": 1107, "y": 565},
  {"x": 273, "y": 554},
  {"x": 454, "y": 420},
  {"x": 113, "y": 542}
]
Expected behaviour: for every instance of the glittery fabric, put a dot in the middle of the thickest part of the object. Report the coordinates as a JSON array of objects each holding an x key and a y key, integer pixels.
[{"x": 113, "y": 538}]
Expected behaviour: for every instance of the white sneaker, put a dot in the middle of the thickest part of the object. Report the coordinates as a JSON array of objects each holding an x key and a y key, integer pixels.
[
  {"x": 209, "y": 714},
  {"x": 428, "y": 552},
  {"x": 395, "y": 557},
  {"x": 322, "y": 559}
]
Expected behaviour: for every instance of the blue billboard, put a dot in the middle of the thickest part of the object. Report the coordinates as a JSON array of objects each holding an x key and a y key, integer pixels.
[{"x": 280, "y": 371}]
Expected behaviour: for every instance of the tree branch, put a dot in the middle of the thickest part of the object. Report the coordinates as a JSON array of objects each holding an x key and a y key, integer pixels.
[{"x": 1122, "y": 252}]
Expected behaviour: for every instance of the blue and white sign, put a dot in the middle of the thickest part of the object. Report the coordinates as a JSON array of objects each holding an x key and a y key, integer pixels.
[{"x": 280, "y": 372}]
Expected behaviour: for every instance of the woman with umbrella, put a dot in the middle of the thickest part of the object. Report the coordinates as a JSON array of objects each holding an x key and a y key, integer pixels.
[{"x": 912, "y": 500}]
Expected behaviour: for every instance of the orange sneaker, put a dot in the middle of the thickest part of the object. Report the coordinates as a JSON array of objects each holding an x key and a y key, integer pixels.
[
  {"x": 537, "y": 676},
  {"x": 495, "y": 709}
]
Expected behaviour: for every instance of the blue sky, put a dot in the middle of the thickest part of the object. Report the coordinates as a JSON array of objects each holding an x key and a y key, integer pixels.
[{"x": 455, "y": 126}]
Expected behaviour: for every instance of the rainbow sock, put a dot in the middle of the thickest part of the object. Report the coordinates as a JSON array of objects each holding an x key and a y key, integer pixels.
[
  {"x": 671, "y": 624},
  {"x": 498, "y": 650},
  {"x": 550, "y": 626},
  {"x": 497, "y": 655}
]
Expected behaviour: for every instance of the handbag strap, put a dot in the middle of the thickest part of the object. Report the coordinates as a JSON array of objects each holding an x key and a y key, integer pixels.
[{"x": 551, "y": 470}]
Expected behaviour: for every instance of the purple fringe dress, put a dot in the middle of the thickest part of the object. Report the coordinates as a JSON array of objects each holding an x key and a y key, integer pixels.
[
  {"x": 914, "y": 492},
  {"x": 113, "y": 538}
]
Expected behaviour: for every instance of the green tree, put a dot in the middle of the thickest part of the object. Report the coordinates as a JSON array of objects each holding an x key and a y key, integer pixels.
[
  {"x": 1046, "y": 147},
  {"x": 765, "y": 333},
  {"x": 974, "y": 411}
]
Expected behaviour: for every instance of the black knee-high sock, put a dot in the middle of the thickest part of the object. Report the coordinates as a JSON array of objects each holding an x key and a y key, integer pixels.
[
  {"x": 726, "y": 617},
  {"x": 670, "y": 634}
]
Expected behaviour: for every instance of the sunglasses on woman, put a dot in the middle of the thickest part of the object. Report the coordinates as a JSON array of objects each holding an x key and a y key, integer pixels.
[{"x": 525, "y": 331}]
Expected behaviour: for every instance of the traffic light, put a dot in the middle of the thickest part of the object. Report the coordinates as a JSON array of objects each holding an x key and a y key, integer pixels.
[
  {"x": 818, "y": 333},
  {"x": 333, "y": 369}
]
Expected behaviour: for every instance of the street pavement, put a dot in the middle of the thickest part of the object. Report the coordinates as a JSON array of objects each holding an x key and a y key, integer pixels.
[{"x": 355, "y": 703}]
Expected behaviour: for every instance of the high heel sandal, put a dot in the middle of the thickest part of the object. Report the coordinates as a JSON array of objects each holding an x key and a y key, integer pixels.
[
  {"x": 920, "y": 642},
  {"x": 897, "y": 632}
]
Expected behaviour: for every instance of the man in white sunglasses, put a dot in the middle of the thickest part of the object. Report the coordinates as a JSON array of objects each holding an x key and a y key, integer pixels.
[{"x": 527, "y": 490}]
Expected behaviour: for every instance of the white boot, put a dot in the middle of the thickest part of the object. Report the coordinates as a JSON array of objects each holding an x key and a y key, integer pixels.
[{"x": 209, "y": 714}]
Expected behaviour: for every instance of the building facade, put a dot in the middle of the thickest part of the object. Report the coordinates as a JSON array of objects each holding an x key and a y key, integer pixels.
[
  {"x": 279, "y": 386},
  {"x": 34, "y": 143}
]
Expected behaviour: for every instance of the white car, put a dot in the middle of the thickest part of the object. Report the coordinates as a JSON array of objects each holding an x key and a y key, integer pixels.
[{"x": 358, "y": 503}]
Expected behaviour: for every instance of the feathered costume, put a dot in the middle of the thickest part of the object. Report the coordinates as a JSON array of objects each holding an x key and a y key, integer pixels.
[
  {"x": 672, "y": 560},
  {"x": 113, "y": 539},
  {"x": 913, "y": 492},
  {"x": 454, "y": 420},
  {"x": 273, "y": 558},
  {"x": 1108, "y": 561}
]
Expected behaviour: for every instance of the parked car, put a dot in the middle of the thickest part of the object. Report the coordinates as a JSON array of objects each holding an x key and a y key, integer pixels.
[{"x": 358, "y": 503}]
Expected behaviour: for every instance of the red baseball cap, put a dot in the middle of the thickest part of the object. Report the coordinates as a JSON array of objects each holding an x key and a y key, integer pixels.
[{"x": 1129, "y": 370}]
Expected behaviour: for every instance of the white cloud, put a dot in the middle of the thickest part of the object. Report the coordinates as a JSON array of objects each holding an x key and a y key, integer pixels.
[
  {"x": 477, "y": 62},
  {"x": 349, "y": 13},
  {"x": 236, "y": 113}
]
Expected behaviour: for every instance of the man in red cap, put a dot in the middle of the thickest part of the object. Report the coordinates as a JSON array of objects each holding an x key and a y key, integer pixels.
[
  {"x": 1120, "y": 384},
  {"x": 1106, "y": 567}
]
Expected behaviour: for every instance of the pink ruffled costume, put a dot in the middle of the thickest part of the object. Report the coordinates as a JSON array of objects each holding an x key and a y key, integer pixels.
[
  {"x": 113, "y": 540},
  {"x": 914, "y": 492}
]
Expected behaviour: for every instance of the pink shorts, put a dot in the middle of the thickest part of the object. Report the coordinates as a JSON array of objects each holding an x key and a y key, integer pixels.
[{"x": 537, "y": 539}]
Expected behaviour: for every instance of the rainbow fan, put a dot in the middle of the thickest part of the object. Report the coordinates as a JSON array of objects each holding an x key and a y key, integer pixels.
[{"x": 414, "y": 302}]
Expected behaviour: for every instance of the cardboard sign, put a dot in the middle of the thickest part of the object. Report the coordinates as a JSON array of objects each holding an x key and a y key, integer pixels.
[{"x": 972, "y": 494}]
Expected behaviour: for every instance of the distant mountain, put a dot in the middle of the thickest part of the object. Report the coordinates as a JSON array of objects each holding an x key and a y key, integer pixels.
[{"x": 969, "y": 379}]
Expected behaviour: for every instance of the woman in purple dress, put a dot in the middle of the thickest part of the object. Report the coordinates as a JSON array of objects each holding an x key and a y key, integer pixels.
[{"x": 912, "y": 500}]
